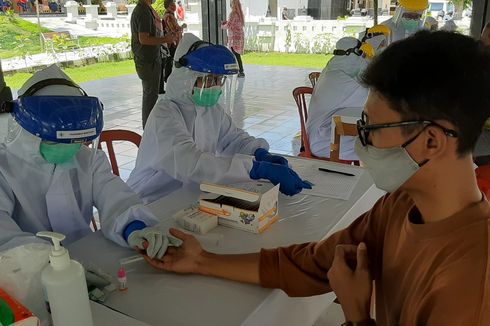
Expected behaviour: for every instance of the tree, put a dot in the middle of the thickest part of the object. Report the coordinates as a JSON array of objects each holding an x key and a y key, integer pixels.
[{"x": 459, "y": 6}]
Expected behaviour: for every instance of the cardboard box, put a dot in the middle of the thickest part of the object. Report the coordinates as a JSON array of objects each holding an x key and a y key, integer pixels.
[
  {"x": 13, "y": 313},
  {"x": 250, "y": 206}
]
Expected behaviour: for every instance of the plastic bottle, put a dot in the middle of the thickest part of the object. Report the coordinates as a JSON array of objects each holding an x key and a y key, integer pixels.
[{"x": 65, "y": 285}]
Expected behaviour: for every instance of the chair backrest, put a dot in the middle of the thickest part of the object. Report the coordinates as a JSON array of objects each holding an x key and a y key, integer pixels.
[
  {"x": 109, "y": 136},
  {"x": 341, "y": 126},
  {"x": 299, "y": 95},
  {"x": 313, "y": 76}
]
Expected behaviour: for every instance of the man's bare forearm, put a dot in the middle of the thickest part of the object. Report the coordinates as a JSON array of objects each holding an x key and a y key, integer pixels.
[{"x": 241, "y": 268}]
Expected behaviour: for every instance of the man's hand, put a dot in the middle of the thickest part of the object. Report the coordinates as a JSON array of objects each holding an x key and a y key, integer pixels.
[
  {"x": 350, "y": 280},
  {"x": 184, "y": 26},
  {"x": 182, "y": 259},
  {"x": 170, "y": 38}
]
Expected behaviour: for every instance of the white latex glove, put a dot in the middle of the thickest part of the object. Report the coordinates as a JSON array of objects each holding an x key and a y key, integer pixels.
[{"x": 157, "y": 240}]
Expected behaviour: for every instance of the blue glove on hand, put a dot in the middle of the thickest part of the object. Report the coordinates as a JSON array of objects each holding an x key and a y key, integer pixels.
[
  {"x": 264, "y": 156},
  {"x": 290, "y": 183}
]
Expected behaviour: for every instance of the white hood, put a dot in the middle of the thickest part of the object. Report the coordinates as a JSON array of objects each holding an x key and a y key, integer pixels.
[{"x": 181, "y": 81}]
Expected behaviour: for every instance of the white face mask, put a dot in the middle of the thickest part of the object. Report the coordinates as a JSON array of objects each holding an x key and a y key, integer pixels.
[{"x": 389, "y": 167}]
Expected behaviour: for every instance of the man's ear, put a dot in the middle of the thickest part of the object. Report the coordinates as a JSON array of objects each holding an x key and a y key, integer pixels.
[{"x": 436, "y": 142}]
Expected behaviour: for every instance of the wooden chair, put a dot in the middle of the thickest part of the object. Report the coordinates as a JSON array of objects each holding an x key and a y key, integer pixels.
[
  {"x": 313, "y": 76},
  {"x": 109, "y": 136},
  {"x": 342, "y": 126},
  {"x": 299, "y": 95}
]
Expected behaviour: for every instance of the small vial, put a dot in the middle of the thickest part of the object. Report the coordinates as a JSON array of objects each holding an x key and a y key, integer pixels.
[{"x": 121, "y": 277}]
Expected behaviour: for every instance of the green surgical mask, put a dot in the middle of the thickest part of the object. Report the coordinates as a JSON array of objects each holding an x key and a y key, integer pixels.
[
  {"x": 207, "y": 96},
  {"x": 58, "y": 153},
  {"x": 409, "y": 24}
]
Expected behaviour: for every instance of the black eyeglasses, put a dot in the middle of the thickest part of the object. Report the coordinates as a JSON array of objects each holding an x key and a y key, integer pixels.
[{"x": 363, "y": 128}]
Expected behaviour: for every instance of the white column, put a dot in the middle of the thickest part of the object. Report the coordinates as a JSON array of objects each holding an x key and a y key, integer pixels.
[
  {"x": 91, "y": 16},
  {"x": 71, "y": 11},
  {"x": 111, "y": 10},
  {"x": 130, "y": 10}
]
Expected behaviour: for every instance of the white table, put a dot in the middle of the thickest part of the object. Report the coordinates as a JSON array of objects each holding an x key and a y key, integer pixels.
[
  {"x": 103, "y": 316},
  {"x": 158, "y": 298}
]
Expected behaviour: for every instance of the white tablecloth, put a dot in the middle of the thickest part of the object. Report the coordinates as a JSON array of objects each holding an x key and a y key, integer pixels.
[{"x": 160, "y": 298}]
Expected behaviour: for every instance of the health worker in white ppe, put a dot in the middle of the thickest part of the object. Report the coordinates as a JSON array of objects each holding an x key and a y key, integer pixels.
[
  {"x": 409, "y": 18},
  {"x": 189, "y": 138},
  {"x": 51, "y": 180},
  {"x": 339, "y": 92}
]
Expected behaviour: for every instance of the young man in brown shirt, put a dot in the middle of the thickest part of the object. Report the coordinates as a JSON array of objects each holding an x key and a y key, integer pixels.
[{"x": 426, "y": 243}]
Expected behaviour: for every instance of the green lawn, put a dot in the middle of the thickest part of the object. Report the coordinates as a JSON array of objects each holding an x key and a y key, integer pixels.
[
  {"x": 19, "y": 37},
  {"x": 113, "y": 69},
  {"x": 82, "y": 74},
  {"x": 287, "y": 59}
]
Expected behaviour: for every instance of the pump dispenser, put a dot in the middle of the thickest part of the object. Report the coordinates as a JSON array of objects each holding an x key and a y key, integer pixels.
[{"x": 66, "y": 289}]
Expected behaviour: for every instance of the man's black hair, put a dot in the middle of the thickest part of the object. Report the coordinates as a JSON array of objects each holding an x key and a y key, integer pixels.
[
  {"x": 436, "y": 76},
  {"x": 167, "y": 3}
]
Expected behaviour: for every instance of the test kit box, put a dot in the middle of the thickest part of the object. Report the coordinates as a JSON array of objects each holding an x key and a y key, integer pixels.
[{"x": 250, "y": 206}]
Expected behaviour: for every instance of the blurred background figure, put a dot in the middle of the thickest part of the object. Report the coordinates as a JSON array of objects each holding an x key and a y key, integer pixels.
[
  {"x": 234, "y": 26},
  {"x": 408, "y": 19},
  {"x": 180, "y": 11}
]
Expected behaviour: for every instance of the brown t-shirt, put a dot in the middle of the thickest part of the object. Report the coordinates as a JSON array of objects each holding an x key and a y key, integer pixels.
[{"x": 425, "y": 274}]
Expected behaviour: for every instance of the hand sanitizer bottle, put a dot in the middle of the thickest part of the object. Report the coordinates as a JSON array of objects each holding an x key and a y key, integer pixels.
[{"x": 65, "y": 285}]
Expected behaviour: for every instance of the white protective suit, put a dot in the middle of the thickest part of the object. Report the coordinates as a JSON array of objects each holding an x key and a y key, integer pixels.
[
  {"x": 337, "y": 92},
  {"x": 185, "y": 144},
  {"x": 36, "y": 195}
]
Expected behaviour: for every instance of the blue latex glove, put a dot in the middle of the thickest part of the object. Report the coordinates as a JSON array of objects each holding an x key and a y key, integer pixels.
[
  {"x": 290, "y": 183},
  {"x": 264, "y": 156}
]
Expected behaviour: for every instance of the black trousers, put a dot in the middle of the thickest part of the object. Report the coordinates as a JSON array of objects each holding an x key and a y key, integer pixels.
[
  {"x": 167, "y": 65},
  {"x": 239, "y": 59}
]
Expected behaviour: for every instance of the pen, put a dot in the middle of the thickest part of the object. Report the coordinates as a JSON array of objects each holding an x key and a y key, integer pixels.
[{"x": 338, "y": 172}]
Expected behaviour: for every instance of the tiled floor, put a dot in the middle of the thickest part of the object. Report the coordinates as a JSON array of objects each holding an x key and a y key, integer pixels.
[{"x": 264, "y": 107}]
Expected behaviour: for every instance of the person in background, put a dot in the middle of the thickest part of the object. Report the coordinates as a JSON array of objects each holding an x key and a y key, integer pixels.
[
  {"x": 408, "y": 19},
  {"x": 234, "y": 25},
  {"x": 190, "y": 138},
  {"x": 284, "y": 14},
  {"x": 180, "y": 11},
  {"x": 50, "y": 180},
  {"x": 425, "y": 243},
  {"x": 146, "y": 40},
  {"x": 337, "y": 91},
  {"x": 171, "y": 27}
]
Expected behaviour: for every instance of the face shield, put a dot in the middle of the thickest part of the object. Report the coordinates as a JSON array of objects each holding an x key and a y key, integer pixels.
[
  {"x": 213, "y": 65},
  {"x": 63, "y": 123},
  {"x": 409, "y": 20},
  {"x": 208, "y": 89}
]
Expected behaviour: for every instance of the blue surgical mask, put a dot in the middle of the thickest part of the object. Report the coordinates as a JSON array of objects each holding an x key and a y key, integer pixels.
[
  {"x": 410, "y": 25},
  {"x": 58, "y": 153},
  {"x": 206, "y": 97}
]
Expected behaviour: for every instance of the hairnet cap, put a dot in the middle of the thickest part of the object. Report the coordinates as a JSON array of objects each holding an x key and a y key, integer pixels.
[
  {"x": 346, "y": 43},
  {"x": 50, "y": 72},
  {"x": 414, "y": 5}
]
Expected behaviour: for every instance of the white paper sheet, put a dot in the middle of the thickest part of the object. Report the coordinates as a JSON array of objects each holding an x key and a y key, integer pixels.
[{"x": 325, "y": 184}]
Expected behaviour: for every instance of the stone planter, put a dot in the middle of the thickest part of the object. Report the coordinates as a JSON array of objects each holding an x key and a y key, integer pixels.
[
  {"x": 71, "y": 12},
  {"x": 111, "y": 10},
  {"x": 91, "y": 16}
]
